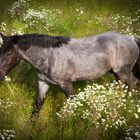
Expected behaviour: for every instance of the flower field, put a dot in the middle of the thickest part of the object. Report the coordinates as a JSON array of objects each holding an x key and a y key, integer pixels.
[{"x": 103, "y": 109}]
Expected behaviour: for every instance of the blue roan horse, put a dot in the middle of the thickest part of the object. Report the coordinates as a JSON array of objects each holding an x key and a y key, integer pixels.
[{"x": 62, "y": 60}]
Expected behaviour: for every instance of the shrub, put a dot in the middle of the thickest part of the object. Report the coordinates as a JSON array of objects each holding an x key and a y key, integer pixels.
[{"x": 110, "y": 107}]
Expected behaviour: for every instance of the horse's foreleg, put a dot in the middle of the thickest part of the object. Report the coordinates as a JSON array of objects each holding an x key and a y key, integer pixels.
[
  {"x": 67, "y": 87},
  {"x": 43, "y": 88}
]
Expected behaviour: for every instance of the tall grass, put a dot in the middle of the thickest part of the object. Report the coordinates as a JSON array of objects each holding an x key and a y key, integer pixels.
[{"x": 59, "y": 118}]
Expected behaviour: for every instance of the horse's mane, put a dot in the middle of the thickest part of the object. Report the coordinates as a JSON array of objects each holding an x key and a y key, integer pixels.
[
  {"x": 7, "y": 45},
  {"x": 41, "y": 40}
]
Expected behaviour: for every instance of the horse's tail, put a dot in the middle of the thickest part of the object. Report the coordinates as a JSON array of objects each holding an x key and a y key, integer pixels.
[
  {"x": 136, "y": 69},
  {"x": 137, "y": 40}
]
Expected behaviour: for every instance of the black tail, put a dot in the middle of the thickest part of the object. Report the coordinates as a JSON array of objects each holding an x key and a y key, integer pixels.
[
  {"x": 137, "y": 41},
  {"x": 136, "y": 69}
]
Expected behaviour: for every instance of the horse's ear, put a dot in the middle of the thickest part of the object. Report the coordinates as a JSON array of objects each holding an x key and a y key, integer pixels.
[
  {"x": 3, "y": 36},
  {"x": 15, "y": 39}
]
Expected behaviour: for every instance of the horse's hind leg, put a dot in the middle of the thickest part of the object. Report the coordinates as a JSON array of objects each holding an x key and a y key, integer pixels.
[
  {"x": 115, "y": 75},
  {"x": 67, "y": 87},
  {"x": 126, "y": 76}
]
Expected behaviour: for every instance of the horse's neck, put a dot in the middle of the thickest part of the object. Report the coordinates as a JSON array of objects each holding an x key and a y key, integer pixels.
[
  {"x": 38, "y": 55},
  {"x": 34, "y": 55}
]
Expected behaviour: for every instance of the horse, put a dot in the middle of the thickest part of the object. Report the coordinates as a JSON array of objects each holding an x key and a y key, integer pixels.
[{"x": 61, "y": 60}]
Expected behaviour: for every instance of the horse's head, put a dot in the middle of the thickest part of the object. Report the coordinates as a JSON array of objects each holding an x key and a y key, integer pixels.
[{"x": 9, "y": 57}]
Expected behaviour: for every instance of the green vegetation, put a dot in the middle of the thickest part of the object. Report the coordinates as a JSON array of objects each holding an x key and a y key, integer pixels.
[{"x": 101, "y": 111}]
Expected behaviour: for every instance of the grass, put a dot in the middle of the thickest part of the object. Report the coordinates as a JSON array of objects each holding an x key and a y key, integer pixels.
[{"x": 68, "y": 18}]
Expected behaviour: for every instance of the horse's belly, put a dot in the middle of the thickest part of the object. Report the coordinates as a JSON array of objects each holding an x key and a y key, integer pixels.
[
  {"x": 92, "y": 69},
  {"x": 89, "y": 75}
]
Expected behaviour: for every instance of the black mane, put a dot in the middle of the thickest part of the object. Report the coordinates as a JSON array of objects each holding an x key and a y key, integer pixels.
[
  {"x": 6, "y": 46},
  {"x": 40, "y": 40}
]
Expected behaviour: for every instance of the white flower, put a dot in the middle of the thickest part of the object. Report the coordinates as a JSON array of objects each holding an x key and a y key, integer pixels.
[
  {"x": 2, "y": 137},
  {"x": 136, "y": 115},
  {"x": 7, "y": 79},
  {"x": 139, "y": 110}
]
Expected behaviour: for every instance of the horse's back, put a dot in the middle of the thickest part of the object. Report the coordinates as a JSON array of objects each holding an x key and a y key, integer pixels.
[
  {"x": 110, "y": 50},
  {"x": 123, "y": 49},
  {"x": 91, "y": 57}
]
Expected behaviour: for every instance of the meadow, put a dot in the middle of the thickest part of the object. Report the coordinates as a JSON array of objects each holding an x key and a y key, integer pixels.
[{"x": 102, "y": 109}]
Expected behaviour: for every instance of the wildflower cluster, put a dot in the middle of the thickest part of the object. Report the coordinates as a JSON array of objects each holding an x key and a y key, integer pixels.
[
  {"x": 7, "y": 79},
  {"x": 31, "y": 18},
  {"x": 125, "y": 24},
  {"x": 133, "y": 133},
  {"x": 18, "y": 6},
  {"x": 107, "y": 105},
  {"x": 19, "y": 31},
  {"x": 48, "y": 18},
  {"x": 5, "y": 104},
  {"x": 8, "y": 134},
  {"x": 3, "y": 27},
  {"x": 79, "y": 11}
]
